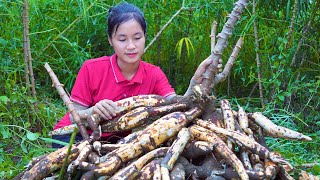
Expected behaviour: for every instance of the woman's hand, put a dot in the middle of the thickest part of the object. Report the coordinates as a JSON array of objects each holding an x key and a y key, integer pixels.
[
  {"x": 105, "y": 108},
  {"x": 197, "y": 78}
]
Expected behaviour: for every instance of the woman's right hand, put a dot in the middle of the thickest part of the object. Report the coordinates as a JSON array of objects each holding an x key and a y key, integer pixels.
[{"x": 105, "y": 108}]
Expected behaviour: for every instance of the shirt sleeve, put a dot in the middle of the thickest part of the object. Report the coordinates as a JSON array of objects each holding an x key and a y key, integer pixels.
[
  {"x": 162, "y": 86},
  {"x": 81, "y": 92}
]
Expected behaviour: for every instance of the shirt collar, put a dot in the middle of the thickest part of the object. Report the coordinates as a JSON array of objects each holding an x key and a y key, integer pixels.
[{"x": 119, "y": 77}]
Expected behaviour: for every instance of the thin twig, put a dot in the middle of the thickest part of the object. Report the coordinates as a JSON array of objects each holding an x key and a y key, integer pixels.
[
  {"x": 58, "y": 36},
  {"x": 293, "y": 18},
  {"x": 159, "y": 41},
  {"x": 25, "y": 47},
  {"x": 213, "y": 35},
  {"x": 253, "y": 89},
  {"x": 226, "y": 71},
  {"x": 164, "y": 27},
  {"x": 67, "y": 28},
  {"x": 213, "y": 39},
  {"x": 28, "y": 60},
  {"x": 256, "y": 42},
  {"x": 305, "y": 31}
]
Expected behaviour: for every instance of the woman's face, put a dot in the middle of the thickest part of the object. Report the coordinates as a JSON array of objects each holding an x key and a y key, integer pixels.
[{"x": 128, "y": 42}]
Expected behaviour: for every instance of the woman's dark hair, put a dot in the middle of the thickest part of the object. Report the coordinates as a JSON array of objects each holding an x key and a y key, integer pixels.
[{"x": 122, "y": 13}]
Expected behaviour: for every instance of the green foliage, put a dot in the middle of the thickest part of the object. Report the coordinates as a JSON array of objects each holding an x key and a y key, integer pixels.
[
  {"x": 184, "y": 42},
  {"x": 66, "y": 33}
]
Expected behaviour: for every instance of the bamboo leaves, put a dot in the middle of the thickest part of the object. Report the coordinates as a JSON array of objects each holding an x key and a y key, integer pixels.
[{"x": 188, "y": 45}]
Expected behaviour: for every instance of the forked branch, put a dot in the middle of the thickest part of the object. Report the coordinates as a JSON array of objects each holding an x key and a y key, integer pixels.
[
  {"x": 223, "y": 75},
  {"x": 221, "y": 44}
]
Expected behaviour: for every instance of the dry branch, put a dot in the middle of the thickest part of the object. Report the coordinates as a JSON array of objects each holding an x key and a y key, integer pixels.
[
  {"x": 222, "y": 42},
  {"x": 226, "y": 71},
  {"x": 304, "y": 32},
  {"x": 256, "y": 42},
  {"x": 67, "y": 102},
  {"x": 29, "y": 76},
  {"x": 293, "y": 18},
  {"x": 25, "y": 44},
  {"x": 213, "y": 35}
]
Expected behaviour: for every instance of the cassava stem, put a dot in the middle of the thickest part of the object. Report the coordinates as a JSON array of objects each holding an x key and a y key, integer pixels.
[{"x": 67, "y": 102}]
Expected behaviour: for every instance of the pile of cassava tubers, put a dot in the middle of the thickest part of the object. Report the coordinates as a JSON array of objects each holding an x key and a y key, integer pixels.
[
  {"x": 190, "y": 137},
  {"x": 177, "y": 139}
]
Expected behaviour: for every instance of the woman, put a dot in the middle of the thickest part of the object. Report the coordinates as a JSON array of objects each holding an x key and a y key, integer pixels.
[{"x": 103, "y": 80}]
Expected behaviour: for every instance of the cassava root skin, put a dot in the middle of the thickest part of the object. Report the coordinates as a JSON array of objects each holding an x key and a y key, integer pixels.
[
  {"x": 203, "y": 134},
  {"x": 52, "y": 162},
  {"x": 148, "y": 170},
  {"x": 243, "y": 121},
  {"x": 242, "y": 140},
  {"x": 176, "y": 149},
  {"x": 150, "y": 138},
  {"x": 174, "y": 152},
  {"x": 139, "y": 116},
  {"x": 132, "y": 171},
  {"x": 195, "y": 149},
  {"x": 123, "y": 105},
  {"x": 275, "y": 130},
  {"x": 229, "y": 121},
  {"x": 84, "y": 153},
  {"x": 177, "y": 172}
]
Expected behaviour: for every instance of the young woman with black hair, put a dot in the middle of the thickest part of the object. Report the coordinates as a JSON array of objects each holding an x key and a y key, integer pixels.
[{"x": 104, "y": 80}]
